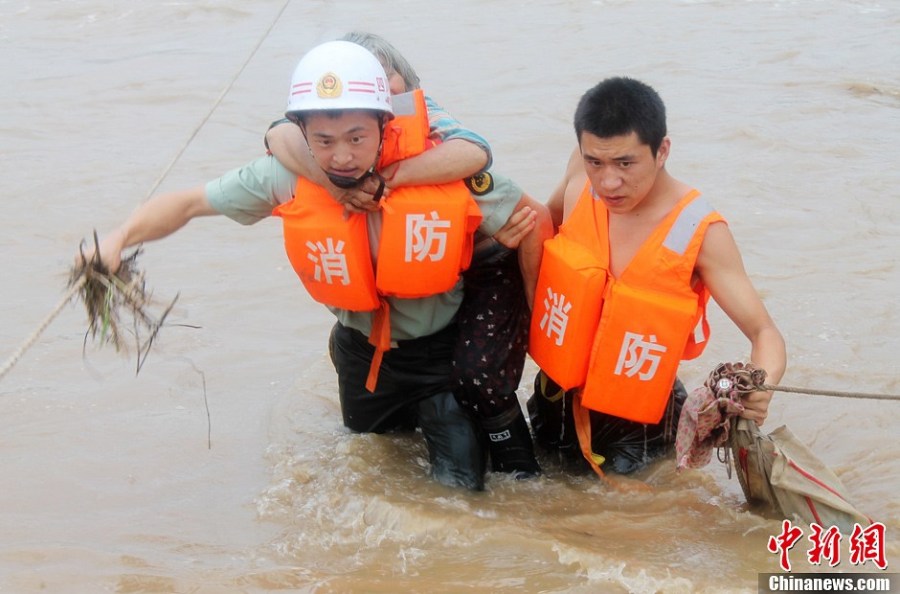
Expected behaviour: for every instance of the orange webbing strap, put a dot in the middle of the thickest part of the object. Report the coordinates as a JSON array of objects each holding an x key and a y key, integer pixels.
[
  {"x": 380, "y": 338},
  {"x": 583, "y": 429},
  {"x": 582, "y": 418},
  {"x": 380, "y": 335}
]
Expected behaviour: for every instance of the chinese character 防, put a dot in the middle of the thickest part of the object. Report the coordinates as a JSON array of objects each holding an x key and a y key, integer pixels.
[
  {"x": 426, "y": 238},
  {"x": 639, "y": 356}
]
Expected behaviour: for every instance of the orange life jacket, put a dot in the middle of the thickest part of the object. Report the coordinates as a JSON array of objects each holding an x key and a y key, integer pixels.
[
  {"x": 426, "y": 237},
  {"x": 567, "y": 298},
  {"x": 621, "y": 338},
  {"x": 425, "y": 242},
  {"x": 427, "y": 234}
]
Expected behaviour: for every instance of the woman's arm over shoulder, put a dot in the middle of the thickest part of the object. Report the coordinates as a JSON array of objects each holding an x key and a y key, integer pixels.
[
  {"x": 284, "y": 140},
  {"x": 445, "y": 127}
]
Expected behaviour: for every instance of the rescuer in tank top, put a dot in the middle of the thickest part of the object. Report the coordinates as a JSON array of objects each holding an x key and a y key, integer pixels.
[{"x": 623, "y": 287}]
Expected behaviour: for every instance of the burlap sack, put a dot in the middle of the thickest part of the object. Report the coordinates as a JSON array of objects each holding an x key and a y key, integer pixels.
[{"x": 779, "y": 471}]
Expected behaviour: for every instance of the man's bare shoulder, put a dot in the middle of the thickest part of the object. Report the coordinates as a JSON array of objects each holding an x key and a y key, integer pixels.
[
  {"x": 575, "y": 165},
  {"x": 576, "y": 178},
  {"x": 719, "y": 252}
]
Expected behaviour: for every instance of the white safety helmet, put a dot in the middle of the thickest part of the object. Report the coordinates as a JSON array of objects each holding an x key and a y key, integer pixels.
[{"x": 339, "y": 75}]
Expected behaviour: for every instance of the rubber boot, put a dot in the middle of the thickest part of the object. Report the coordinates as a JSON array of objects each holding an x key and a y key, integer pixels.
[
  {"x": 510, "y": 445},
  {"x": 549, "y": 410},
  {"x": 454, "y": 444}
]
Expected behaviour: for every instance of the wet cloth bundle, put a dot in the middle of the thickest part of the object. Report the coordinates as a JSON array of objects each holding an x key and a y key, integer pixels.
[
  {"x": 776, "y": 470},
  {"x": 705, "y": 420}
]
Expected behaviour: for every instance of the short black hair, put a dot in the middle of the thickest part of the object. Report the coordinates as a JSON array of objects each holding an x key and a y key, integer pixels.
[{"x": 620, "y": 105}]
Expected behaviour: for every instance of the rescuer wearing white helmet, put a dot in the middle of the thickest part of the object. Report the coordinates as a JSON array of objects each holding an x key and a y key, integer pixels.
[
  {"x": 489, "y": 358},
  {"x": 391, "y": 350},
  {"x": 339, "y": 75}
]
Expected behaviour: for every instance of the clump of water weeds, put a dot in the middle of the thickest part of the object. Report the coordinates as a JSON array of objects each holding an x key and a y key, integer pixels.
[{"x": 118, "y": 304}]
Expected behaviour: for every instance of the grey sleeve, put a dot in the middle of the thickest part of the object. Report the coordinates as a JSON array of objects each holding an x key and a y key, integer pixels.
[
  {"x": 497, "y": 197},
  {"x": 249, "y": 193}
]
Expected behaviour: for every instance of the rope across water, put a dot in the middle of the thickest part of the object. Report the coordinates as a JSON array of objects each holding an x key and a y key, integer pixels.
[
  {"x": 745, "y": 378},
  {"x": 76, "y": 286},
  {"x": 839, "y": 393}
]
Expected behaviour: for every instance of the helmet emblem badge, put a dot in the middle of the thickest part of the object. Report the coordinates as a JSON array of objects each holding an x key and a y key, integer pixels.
[{"x": 329, "y": 86}]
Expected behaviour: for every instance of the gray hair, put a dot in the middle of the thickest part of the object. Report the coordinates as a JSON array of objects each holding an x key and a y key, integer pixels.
[{"x": 387, "y": 54}]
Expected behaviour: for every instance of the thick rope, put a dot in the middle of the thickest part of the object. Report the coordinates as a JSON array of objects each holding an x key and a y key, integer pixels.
[
  {"x": 838, "y": 393},
  {"x": 212, "y": 110},
  {"x": 73, "y": 290},
  {"x": 745, "y": 378},
  {"x": 14, "y": 358}
]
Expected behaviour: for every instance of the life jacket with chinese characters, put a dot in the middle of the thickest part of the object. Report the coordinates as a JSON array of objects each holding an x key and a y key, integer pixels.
[
  {"x": 426, "y": 236},
  {"x": 621, "y": 338},
  {"x": 425, "y": 241}
]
